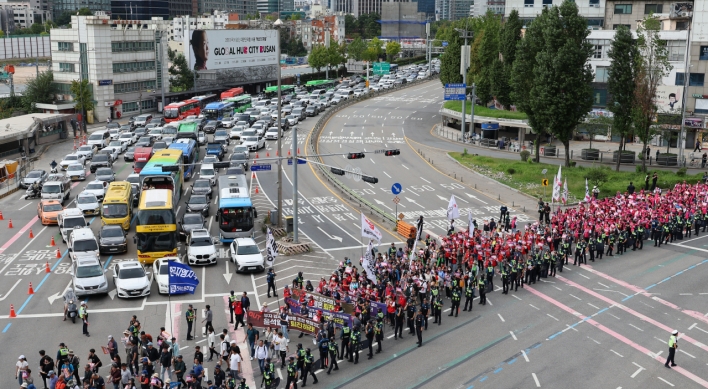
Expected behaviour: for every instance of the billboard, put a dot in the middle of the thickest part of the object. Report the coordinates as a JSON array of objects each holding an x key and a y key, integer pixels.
[
  {"x": 228, "y": 49},
  {"x": 668, "y": 98}
]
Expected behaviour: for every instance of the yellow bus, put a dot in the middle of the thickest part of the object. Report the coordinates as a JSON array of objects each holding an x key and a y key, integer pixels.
[
  {"x": 156, "y": 226},
  {"x": 117, "y": 204}
]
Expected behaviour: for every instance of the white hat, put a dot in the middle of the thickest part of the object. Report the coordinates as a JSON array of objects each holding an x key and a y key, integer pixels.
[
  {"x": 110, "y": 336},
  {"x": 675, "y": 332},
  {"x": 21, "y": 357}
]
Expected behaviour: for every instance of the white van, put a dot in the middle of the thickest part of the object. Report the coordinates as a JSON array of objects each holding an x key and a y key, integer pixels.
[
  {"x": 68, "y": 219},
  {"x": 100, "y": 139},
  {"x": 57, "y": 187}
]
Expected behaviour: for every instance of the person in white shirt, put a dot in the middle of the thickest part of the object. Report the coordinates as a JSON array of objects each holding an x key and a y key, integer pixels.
[
  {"x": 211, "y": 342},
  {"x": 224, "y": 350},
  {"x": 261, "y": 354},
  {"x": 235, "y": 364},
  {"x": 280, "y": 345}
]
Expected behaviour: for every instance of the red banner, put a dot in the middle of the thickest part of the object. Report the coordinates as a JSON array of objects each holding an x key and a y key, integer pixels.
[{"x": 272, "y": 319}]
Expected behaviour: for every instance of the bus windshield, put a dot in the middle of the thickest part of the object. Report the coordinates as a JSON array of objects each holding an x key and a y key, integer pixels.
[
  {"x": 236, "y": 219},
  {"x": 115, "y": 210},
  {"x": 171, "y": 113},
  {"x": 155, "y": 217},
  {"x": 156, "y": 241},
  {"x": 211, "y": 114}
]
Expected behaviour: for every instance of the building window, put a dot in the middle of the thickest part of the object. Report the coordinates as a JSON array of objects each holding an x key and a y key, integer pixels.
[
  {"x": 67, "y": 67},
  {"x": 681, "y": 26},
  {"x": 138, "y": 66},
  {"x": 599, "y": 97},
  {"x": 118, "y": 47},
  {"x": 601, "y": 73},
  {"x": 600, "y": 47},
  {"x": 703, "y": 55},
  {"x": 616, "y": 26},
  {"x": 528, "y": 3},
  {"x": 696, "y": 79},
  {"x": 623, "y": 9},
  {"x": 547, "y": 3},
  {"x": 595, "y": 3},
  {"x": 128, "y": 87},
  {"x": 676, "y": 50},
  {"x": 133, "y": 106},
  {"x": 65, "y": 46},
  {"x": 653, "y": 9}
]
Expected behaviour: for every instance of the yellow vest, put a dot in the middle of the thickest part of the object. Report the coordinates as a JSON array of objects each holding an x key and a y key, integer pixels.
[{"x": 672, "y": 341}]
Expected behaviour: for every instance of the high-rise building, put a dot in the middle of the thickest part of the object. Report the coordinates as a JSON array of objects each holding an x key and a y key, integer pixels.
[
  {"x": 427, "y": 7},
  {"x": 593, "y": 10},
  {"x": 60, "y": 6},
  {"x": 453, "y": 9},
  {"x": 136, "y": 10},
  {"x": 401, "y": 20},
  {"x": 356, "y": 7}
]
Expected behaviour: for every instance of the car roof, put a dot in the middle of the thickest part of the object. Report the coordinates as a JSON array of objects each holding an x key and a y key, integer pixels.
[
  {"x": 207, "y": 166},
  {"x": 199, "y": 233},
  {"x": 82, "y": 233},
  {"x": 86, "y": 194},
  {"x": 49, "y": 202},
  {"x": 86, "y": 259},
  {"x": 111, "y": 227},
  {"x": 129, "y": 265},
  {"x": 71, "y": 212},
  {"x": 245, "y": 242},
  {"x": 76, "y": 164}
]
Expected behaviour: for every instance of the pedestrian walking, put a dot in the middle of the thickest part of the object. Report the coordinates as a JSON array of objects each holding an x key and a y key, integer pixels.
[
  {"x": 292, "y": 374},
  {"x": 673, "y": 345},
  {"x": 308, "y": 368},
  {"x": 208, "y": 316},
  {"x": 419, "y": 328},
  {"x": 270, "y": 279},
  {"x": 190, "y": 316},
  {"x": 332, "y": 356}
]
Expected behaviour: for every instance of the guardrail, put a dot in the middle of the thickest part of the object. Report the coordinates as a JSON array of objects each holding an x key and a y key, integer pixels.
[{"x": 317, "y": 130}]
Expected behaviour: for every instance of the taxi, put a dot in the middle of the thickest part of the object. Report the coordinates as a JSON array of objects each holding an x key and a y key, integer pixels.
[{"x": 48, "y": 210}]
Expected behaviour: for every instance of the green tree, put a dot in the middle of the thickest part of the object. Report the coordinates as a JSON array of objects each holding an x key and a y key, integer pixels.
[
  {"x": 83, "y": 98},
  {"x": 368, "y": 26},
  {"x": 392, "y": 50},
  {"x": 2, "y": 34},
  {"x": 318, "y": 57},
  {"x": 563, "y": 76},
  {"x": 484, "y": 55},
  {"x": 181, "y": 76},
  {"x": 65, "y": 17},
  {"x": 356, "y": 49},
  {"x": 334, "y": 56},
  {"x": 621, "y": 84},
  {"x": 351, "y": 26},
  {"x": 38, "y": 90},
  {"x": 652, "y": 65},
  {"x": 509, "y": 38},
  {"x": 376, "y": 45},
  {"x": 450, "y": 60}
]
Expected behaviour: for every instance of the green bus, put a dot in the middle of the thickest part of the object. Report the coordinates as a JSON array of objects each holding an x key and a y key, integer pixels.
[
  {"x": 272, "y": 91},
  {"x": 241, "y": 103},
  {"x": 320, "y": 84},
  {"x": 188, "y": 130}
]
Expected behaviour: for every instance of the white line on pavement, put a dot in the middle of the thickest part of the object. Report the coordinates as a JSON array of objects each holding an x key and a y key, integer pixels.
[
  {"x": 687, "y": 354},
  {"x": 583, "y": 275},
  {"x": 515, "y": 296},
  {"x": 512, "y": 335},
  {"x": 549, "y": 315},
  {"x": 538, "y": 384},
  {"x": 500, "y": 316},
  {"x": 667, "y": 382},
  {"x": 632, "y": 325},
  {"x": 534, "y": 306},
  {"x": 618, "y": 354},
  {"x": 638, "y": 370},
  {"x": 596, "y": 307},
  {"x": 575, "y": 296},
  {"x": 525, "y": 356}
]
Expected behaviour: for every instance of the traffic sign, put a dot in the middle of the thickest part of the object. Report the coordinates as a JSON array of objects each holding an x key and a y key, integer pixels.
[
  {"x": 299, "y": 161},
  {"x": 455, "y": 91},
  {"x": 544, "y": 171},
  {"x": 396, "y": 188},
  {"x": 259, "y": 167},
  {"x": 544, "y": 182},
  {"x": 444, "y": 44},
  {"x": 396, "y": 199},
  {"x": 382, "y": 68},
  {"x": 400, "y": 216}
]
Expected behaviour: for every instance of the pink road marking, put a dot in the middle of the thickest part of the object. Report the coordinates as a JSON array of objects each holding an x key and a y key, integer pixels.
[
  {"x": 175, "y": 322},
  {"x": 619, "y": 337},
  {"x": 638, "y": 290},
  {"x": 19, "y": 233},
  {"x": 632, "y": 312},
  {"x": 240, "y": 337}
]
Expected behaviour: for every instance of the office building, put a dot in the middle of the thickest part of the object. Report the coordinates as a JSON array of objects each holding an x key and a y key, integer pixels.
[
  {"x": 402, "y": 21},
  {"x": 59, "y": 6},
  {"x": 138, "y": 10}
]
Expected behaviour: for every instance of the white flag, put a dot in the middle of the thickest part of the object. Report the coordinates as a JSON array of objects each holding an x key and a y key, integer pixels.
[
  {"x": 587, "y": 192},
  {"x": 557, "y": 184},
  {"x": 565, "y": 191},
  {"x": 452, "y": 211},
  {"x": 271, "y": 251},
  {"x": 369, "y": 262},
  {"x": 369, "y": 230},
  {"x": 470, "y": 221}
]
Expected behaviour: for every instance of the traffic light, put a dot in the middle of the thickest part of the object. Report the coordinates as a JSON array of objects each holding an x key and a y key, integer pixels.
[
  {"x": 389, "y": 153},
  {"x": 355, "y": 155},
  {"x": 336, "y": 171},
  {"x": 370, "y": 180},
  {"x": 170, "y": 168}
]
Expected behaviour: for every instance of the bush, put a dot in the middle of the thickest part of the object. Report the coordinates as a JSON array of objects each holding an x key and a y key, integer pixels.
[
  {"x": 525, "y": 155},
  {"x": 681, "y": 172},
  {"x": 511, "y": 170},
  {"x": 464, "y": 152},
  {"x": 638, "y": 168},
  {"x": 597, "y": 176},
  {"x": 572, "y": 163}
]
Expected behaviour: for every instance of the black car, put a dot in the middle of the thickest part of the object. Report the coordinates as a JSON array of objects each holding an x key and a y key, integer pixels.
[
  {"x": 311, "y": 111},
  {"x": 126, "y": 128},
  {"x": 159, "y": 145},
  {"x": 198, "y": 203},
  {"x": 140, "y": 131},
  {"x": 202, "y": 186},
  {"x": 145, "y": 141},
  {"x": 211, "y": 126},
  {"x": 239, "y": 160},
  {"x": 100, "y": 160},
  {"x": 111, "y": 239},
  {"x": 190, "y": 221}
]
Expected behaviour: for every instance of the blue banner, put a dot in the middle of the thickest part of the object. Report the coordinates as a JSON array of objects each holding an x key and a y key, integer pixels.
[{"x": 182, "y": 278}]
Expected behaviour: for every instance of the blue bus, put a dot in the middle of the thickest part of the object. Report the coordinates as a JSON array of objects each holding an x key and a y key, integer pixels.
[
  {"x": 218, "y": 110},
  {"x": 190, "y": 154},
  {"x": 236, "y": 215}
]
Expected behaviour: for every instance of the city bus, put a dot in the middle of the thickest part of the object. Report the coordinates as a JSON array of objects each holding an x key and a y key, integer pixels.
[
  {"x": 190, "y": 155},
  {"x": 272, "y": 91},
  {"x": 156, "y": 226},
  {"x": 116, "y": 207},
  {"x": 205, "y": 100},
  {"x": 141, "y": 157},
  {"x": 233, "y": 92},
  {"x": 236, "y": 215},
  {"x": 218, "y": 110},
  {"x": 179, "y": 111},
  {"x": 164, "y": 171},
  {"x": 241, "y": 103},
  {"x": 320, "y": 84},
  {"x": 188, "y": 130}
]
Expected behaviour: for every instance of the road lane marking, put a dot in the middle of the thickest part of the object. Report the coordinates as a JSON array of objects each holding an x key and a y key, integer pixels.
[
  {"x": 596, "y": 307},
  {"x": 575, "y": 296},
  {"x": 616, "y": 353},
  {"x": 549, "y": 315},
  {"x": 632, "y": 325},
  {"x": 638, "y": 370},
  {"x": 500, "y": 316},
  {"x": 667, "y": 382},
  {"x": 425, "y": 180},
  {"x": 512, "y": 335},
  {"x": 687, "y": 354},
  {"x": 525, "y": 356},
  {"x": 538, "y": 384},
  {"x": 534, "y": 307},
  {"x": 583, "y": 275}
]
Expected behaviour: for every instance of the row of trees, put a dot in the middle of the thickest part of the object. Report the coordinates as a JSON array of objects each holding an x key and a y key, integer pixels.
[
  {"x": 358, "y": 49},
  {"x": 366, "y": 26},
  {"x": 546, "y": 73}
]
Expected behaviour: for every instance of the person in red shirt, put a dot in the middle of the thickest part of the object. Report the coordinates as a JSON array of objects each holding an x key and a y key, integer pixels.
[{"x": 238, "y": 310}]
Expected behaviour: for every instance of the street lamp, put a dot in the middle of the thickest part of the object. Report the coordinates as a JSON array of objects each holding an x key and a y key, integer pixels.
[
  {"x": 277, "y": 25},
  {"x": 463, "y": 69}
]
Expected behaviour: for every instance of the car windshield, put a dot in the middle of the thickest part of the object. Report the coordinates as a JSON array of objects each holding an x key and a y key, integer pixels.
[
  {"x": 192, "y": 219},
  {"x": 133, "y": 179},
  {"x": 52, "y": 207},
  {"x": 115, "y": 210},
  {"x": 87, "y": 199},
  {"x": 201, "y": 241},
  {"x": 198, "y": 200},
  {"x": 238, "y": 157},
  {"x": 86, "y": 148},
  {"x": 94, "y": 186},
  {"x": 96, "y": 137},
  {"x": 272, "y": 130},
  {"x": 89, "y": 271},
  {"x": 131, "y": 150},
  {"x": 115, "y": 143},
  {"x": 53, "y": 188},
  {"x": 240, "y": 149},
  {"x": 104, "y": 172},
  {"x": 159, "y": 146},
  {"x": 144, "y": 139},
  {"x": 220, "y": 133},
  {"x": 201, "y": 184},
  {"x": 85, "y": 245},
  {"x": 101, "y": 158},
  {"x": 135, "y": 272},
  {"x": 34, "y": 174},
  {"x": 247, "y": 250},
  {"x": 250, "y": 139},
  {"x": 71, "y": 158},
  {"x": 112, "y": 232},
  {"x": 126, "y": 136},
  {"x": 207, "y": 172},
  {"x": 165, "y": 268}
]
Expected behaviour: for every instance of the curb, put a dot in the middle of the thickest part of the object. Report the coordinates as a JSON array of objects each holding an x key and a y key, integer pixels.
[{"x": 9, "y": 192}]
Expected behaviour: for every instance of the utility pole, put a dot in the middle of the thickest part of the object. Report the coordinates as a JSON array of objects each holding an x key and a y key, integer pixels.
[
  {"x": 162, "y": 72},
  {"x": 464, "y": 64},
  {"x": 277, "y": 25},
  {"x": 427, "y": 50},
  {"x": 473, "y": 98},
  {"x": 686, "y": 77},
  {"x": 295, "y": 194}
]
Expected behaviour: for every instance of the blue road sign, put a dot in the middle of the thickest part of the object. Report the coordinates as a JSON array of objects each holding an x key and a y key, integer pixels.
[
  {"x": 299, "y": 161},
  {"x": 259, "y": 167},
  {"x": 396, "y": 188},
  {"x": 444, "y": 43},
  {"x": 455, "y": 91}
]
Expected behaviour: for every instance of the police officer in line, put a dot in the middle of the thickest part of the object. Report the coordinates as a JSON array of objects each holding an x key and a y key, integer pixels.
[
  {"x": 232, "y": 299},
  {"x": 369, "y": 332},
  {"x": 308, "y": 368},
  {"x": 455, "y": 301},
  {"x": 482, "y": 291},
  {"x": 505, "y": 280},
  {"x": 419, "y": 327},
  {"x": 425, "y": 308},
  {"x": 300, "y": 354},
  {"x": 410, "y": 314},
  {"x": 469, "y": 294},
  {"x": 332, "y": 357},
  {"x": 270, "y": 279},
  {"x": 354, "y": 345},
  {"x": 346, "y": 334},
  {"x": 398, "y": 319},
  {"x": 673, "y": 345},
  {"x": 292, "y": 374},
  {"x": 379, "y": 331},
  {"x": 437, "y": 310}
]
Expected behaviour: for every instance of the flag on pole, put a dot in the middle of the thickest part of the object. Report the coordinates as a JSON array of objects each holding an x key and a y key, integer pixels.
[
  {"x": 369, "y": 262},
  {"x": 470, "y": 221},
  {"x": 181, "y": 278},
  {"x": 565, "y": 192},
  {"x": 452, "y": 211},
  {"x": 420, "y": 226},
  {"x": 557, "y": 184},
  {"x": 587, "y": 192},
  {"x": 271, "y": 251},
  {"x": 369, "y": 230}
]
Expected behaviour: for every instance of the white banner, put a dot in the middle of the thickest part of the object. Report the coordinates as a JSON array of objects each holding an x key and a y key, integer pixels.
[
  {"x": 369, "y": 262},
  {"x": 369, "y": 230},
  {"x": 470, "y": 221},
  {"x": 557, "y": 184},
  {"x": 452, "y": 211},
  {"x": 564, "y": 198},
  {"x": 271, "y": 251},
  {"x": 587, "y": 192}
]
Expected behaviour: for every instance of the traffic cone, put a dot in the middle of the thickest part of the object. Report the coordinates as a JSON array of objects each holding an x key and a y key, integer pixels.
[
  {"x": 276, "y": 153},
  {"x": 256, "y": 155},
  {"x": 1, "y": 218},
  {"x": 46, "y": 267},
  {"x": 12, "y": 311},
  {"x": 31, "y": 234},
  {"x": 267, "y": 154},
  {"x": 52, "y": 243},
  {"x": 58, "y": 254},
  {"x": 31, "y": 290},
  {"x": 298, "y": 150},
  {"x": 256, "y": 189},
  {"x": 10, "y": 225},
  {"x": 254, "y": 175},
  {"x": 288, "y": 153}
]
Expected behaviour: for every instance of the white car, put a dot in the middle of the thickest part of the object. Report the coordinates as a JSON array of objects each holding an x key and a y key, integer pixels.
[
  {"x": 131, "y": 279},
  {"x": 119, "y": 146},
  {"x": 273, "y": 133},
  {"x": 87, "y": 151},
  {"x": 128, "y": 138},
  {"x": 76, "y": 171},
  {"x": 72, "y": 159},
  {"x": 200, "y": 247},
  {"x": 161, "y": 273},
  {"x": 207, "y": 171},
  {"x": 253, "y": 142},
  {"x": 246, "y": 255},
  {"x": 156, "y": 133},
  {"x": 236, "y": 132},
  {"x": 360, "y": 92},
  {"x": 112, "y": 151},
  {"x": 114, "y": 133},
  {"x": 87, "y": 275},
  {"x": 168, "y": 140},
  {"x": 88, "y": 203},
  {"x": 97, "y": 188},
  {"x": 228, "y": 122}
]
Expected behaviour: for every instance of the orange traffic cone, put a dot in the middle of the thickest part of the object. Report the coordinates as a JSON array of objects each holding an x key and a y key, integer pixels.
[
  {"x": 256, "y": 189},
  {"x": 31, "y": 234},
  {"x": 288, "y": 153},
  {"x": 1, "y": 218},
  {"x": 10, "y": 225},
  {"x": 256, "y": 155},
  {"x": 46, "y": 267},
  {"x": 52, "y": 243},
  {"x": 298, "y": 150},
  {"x": 12, "y": 311},
  {"x": 254, "y": 175},
  {"x": 58, "y": 254},
  {"x": 31, "y": 290},
  {"x": 267, "y": 154},
  {"x": 276, "y": 153}
]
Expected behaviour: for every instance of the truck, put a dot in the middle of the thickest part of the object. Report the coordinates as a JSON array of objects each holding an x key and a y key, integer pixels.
[
  {"x": 215, "y": 148},
  {"x": 57, "y": 187},
  {"x": 141, "y": 156},
  {"x": 68, "y": 219}
]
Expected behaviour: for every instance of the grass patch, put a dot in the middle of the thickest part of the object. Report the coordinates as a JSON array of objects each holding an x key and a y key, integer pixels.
[
  {"x": 527, "y": 177},
  {"x": 484, "y": 111}
]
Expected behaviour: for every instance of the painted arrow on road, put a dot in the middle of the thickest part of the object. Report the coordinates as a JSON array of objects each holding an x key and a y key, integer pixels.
[
  {"x": 411, "y": 201},
  {"x": 475, "y": 197},
  {"x": 330, "y": 236},
  {"x": 228, "y": 274},
  {"x": 112, "y": 294},
  {"x": 54, "y": 297},
  {"x": 379, "y": 202}
]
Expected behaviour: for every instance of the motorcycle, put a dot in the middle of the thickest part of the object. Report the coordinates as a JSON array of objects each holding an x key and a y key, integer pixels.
[
  {"x": 72, "y": 312},
  {"x": 33, "y": 193}
]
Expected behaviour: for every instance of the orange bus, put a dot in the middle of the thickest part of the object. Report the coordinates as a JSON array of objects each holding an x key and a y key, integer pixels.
[
  {"x": 179, "y": 111},
  {"x": 233, "y": 92}
]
